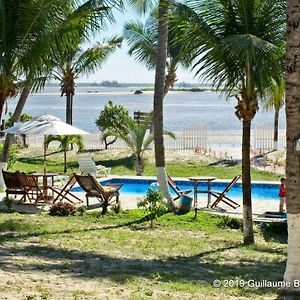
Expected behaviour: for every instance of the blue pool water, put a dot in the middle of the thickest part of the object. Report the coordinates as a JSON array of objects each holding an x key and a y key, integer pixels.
[{"x": 139, "y": 187}]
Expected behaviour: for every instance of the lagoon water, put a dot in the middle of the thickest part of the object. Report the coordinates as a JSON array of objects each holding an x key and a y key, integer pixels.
[{"x": 181, "y": 109}]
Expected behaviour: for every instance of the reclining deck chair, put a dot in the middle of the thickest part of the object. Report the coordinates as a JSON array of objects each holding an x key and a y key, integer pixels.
[
  {"x": 64, "y": 192},
  {"x": 176, "y": 189},
  {"x": 87, "y": 165},
  {"x": 13, "y": 185},
  {"x": 221, "y": 196},
  {"x": 31, "y": 188},
  {"x": 93, "y": 188}
]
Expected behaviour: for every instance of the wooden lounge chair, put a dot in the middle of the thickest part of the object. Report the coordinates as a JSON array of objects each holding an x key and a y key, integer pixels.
[
  {"x": 105, "y": 194},
  {"x": 64, "y": 192},
  {"x": 176, "y": 189},
  {"x": 33, "y": 192},
  {"x": 221, "y": 196},
  {"x": 13, "y": 185},
  {"x": 87, "y": 165}
]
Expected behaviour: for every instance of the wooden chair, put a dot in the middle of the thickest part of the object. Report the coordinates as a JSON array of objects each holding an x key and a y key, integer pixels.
[
  {"x": 64, "y": 192},
  {"x": 176, "y": 189},
  {"x": 87, "y": 165},
  {"x": 13, "y": 185},
  {"x": 31, "y": 188},
  {"x": 221, "y": 196},
  {"x": 93, "y": 188}
]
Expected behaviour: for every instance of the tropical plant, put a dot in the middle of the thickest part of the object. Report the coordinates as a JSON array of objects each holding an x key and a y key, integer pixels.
[
  {"x": 136, "y": 137},
  {"x": 72, "y": 62},
  {"x": 142, "y": 39},
  {"x": 112, "y": 116},
  {"x": 65, "y": 141},
  {"x": 31, "y": 33},
  {"x": 292, "y": 108},
  {"x": 237, "y": 46},
  {"x": 275, "y": 100},
  {"x": 153, "y": 204}
]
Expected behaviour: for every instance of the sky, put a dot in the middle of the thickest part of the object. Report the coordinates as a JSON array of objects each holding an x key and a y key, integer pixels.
[{"x": 120, "y": 66}]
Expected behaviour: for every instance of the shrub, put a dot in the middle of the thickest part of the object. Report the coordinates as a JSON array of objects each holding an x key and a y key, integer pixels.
[
  {"x": 8, "y": 201},
  {"x": 62, "y": 209},
  {"x": 153, "y": 204},
  {"x": 13, "y": 155},
  {"x": 229, "y": 222},
  {"x": 81, "y": 210}
]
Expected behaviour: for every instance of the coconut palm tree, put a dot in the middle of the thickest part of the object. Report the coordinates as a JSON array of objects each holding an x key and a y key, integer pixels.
[
  {"x": 237, "y": 45},
  {"x": 31, "y": 33},
  {"x": 292, "y": 107},
  {"x": 142, "y": 39},
  {"x": 159, "y": 90},
  {"x": 275, "y": 100},
  {"x": 72, "y": 62},
  {"x": 136, "y": 137},
  {"x": 65, "y": 141}
]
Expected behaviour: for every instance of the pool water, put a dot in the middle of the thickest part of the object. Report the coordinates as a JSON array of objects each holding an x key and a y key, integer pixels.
[{"x": 139, "y": 187}]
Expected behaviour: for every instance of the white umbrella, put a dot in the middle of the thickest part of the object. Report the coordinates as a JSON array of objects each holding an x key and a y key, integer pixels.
[{"x": 45, "y": 125}]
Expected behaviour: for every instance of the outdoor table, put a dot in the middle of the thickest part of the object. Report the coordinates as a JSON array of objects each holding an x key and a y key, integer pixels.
[
  {"x": 45, "y": 177},
  {"x": 197, "y": 179}
]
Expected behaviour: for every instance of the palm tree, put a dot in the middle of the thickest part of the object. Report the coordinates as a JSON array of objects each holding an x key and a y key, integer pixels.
[
  {"x": 237, "y": 44},
  {"x": 292, "y": 108},
  {"x": 159, "y": 90},
  {"x": 31, "y": 33},
  {"x": 73, "y": 62},
  {"x": 135, "y": 136},
  {"x": 65, "y": 141},
  {"x": 275, "y": 100},
  {"x": 142, "y": 39}
]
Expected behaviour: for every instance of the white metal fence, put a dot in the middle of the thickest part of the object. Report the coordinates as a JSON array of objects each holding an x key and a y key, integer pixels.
[{"x": 192, "y": 138}]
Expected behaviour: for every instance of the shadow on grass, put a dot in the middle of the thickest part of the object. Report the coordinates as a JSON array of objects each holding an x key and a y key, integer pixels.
[
  {"x": 198, "y": 270},
  {"x": 127, "y": 162}
]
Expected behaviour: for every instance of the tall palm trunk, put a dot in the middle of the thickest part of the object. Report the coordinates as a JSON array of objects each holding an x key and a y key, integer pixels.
[
  {"x": 69, "y": 108},
  {"x": 2, "y": 101},
  {"x": 65, "y": 159},
  {"x": 17, "y": 113},
  {"x": 246, "y": 178},
  {"x": 158, "y": 101},
  {"x": 276, "y": 121},
  {"x": 292, "y": 271}
]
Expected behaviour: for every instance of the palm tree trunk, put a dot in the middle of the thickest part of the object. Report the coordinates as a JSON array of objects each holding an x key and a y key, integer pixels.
[
  {"x": 17, "y": 113},
  {"x": 68, "y": 109},
  {"x": 139, "y": 166},
  {"x": 2, "y": 101},
  {"x": 246, "y": 177},
  {"x": 65, "y": 160},
  {"x": 292, "y": 107},
  {"x": 158, "y": 102},
  {"x": 276, "y": 121}
]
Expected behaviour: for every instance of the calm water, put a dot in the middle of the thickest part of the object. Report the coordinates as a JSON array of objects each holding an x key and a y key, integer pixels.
[{"x": 180, "y": 110}]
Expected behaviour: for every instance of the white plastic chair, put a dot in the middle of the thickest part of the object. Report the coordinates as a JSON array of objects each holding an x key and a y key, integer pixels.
[{"x": 87, "y": 165}]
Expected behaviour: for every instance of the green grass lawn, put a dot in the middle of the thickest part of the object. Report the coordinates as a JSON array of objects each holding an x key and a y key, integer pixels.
[
  {"x": 122, "y": 163},
  {"x": 120, "y": 257}
]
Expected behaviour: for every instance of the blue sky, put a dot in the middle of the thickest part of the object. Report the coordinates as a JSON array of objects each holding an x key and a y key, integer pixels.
[{"x": 120, "y": 66}]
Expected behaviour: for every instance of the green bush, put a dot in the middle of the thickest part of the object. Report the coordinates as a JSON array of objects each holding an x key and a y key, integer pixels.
[
  {"x": 62, "y": 209},
  {"x": 13, "y": 155},
  {"x": 8, "y": 201},
  {"x": 231, "y": 223},
  {"x": 153, "y": 204}
]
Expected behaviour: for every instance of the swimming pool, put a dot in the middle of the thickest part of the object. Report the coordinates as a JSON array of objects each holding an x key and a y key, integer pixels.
[{"x": 139, "y": 187}]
